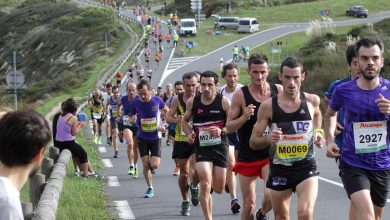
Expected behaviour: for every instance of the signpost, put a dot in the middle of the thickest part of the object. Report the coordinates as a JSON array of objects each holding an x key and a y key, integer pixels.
[
  {"x": 196, "y": 6},
  {"x": 14, "y": 78}
]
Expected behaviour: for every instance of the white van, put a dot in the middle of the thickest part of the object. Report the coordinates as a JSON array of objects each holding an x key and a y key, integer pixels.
[
  {"x": 227, "y": 22},
  {"x": 248, "y": 25},
  {"x": 187, "y": 26}
]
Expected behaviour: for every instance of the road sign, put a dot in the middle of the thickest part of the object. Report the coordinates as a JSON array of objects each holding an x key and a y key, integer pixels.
[
  {"x": 15, "y": 81},
  {"x": 196, "y": 5},
  {"x": 10, "y": 58}
]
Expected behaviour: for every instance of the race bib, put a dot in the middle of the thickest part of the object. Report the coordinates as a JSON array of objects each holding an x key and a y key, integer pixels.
[
  {"x": 370, "y": 137},
  {"x": 126, "y": 121},
  {"x": 97, "y": 115},
  {"x": 293, "y": 147},
  {"x": 205, "y": 139},
  {"x": 114, "y": 111},
  {"x": 149, "y": 124}
]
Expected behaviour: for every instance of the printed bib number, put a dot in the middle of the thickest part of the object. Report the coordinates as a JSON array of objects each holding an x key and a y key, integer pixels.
[
  {"x": 149, "y": 124},
  {"x": 114, "y": 111},
  {"x": 97, "y": 115},
  {"x": 370, "y": 137},
  {"x": 292, "y": 147},
  {"x": 205, "y": 139},
  {"x": 126, "y": 121}
]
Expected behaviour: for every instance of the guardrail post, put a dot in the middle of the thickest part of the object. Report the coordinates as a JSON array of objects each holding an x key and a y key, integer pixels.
[
  {"x": 37, "y": 182},
  {"x": 27, "y": 209},
  {"x": 47, "y": 167},
  {"x": 54, "y": 153}
]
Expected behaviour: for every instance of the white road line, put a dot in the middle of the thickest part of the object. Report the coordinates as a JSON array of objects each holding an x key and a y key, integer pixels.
[
  {"x": 124, "y": 209},
  {"x": 338, "y": 184},
  {"x": 331, "y": 182},
  {"x": 102, "y": 150},
  {"x": 107, "y": 163},
  {"x": 113, "y": 181}
]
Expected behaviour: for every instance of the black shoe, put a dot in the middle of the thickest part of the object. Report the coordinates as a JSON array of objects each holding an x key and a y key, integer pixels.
[
  {"x": 109, "y": 141},
  {"x": 235, "y": 206},
  {"x": 259, "y": 215}
]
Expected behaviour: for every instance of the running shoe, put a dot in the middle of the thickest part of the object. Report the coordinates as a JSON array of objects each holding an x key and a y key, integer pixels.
[
  {"x": 260, "y": 216},
  {"x": 235, "y": 206},
  {"x": 109, "y": 141},
  {"x": 177, "y": 171},
  {"x": 149, "y": 193},
  {"x": 194, "y": 195},
  {"x": 96, "y": 175},
  {"x": 95, "y": 138},
  {"x": 153, "y": 171},
  {"x": 99, "y": 141},
  {"x": 116, "y": 155},
  {"x": 131, "y": 171},
  {"x": 185, "y": 208},
  {"x": 135, "y": 175},
  {"x": 77, "y": 172}
]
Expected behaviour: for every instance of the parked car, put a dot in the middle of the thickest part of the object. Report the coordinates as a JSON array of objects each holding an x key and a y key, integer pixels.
[
  {"x": 227, "y": 22},
  {"x": 357, "y": 11},
  {"x": 248, "y": 25},
  {"x": 187, "y": 26}
]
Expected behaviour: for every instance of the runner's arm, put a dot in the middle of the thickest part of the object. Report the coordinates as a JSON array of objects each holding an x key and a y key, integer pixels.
[
  {"x": 171, "y": 119},
  {"x": 236, "y": 119},
  {"x": 187, "y": 117},
  {"x": 258, "y": 141}
]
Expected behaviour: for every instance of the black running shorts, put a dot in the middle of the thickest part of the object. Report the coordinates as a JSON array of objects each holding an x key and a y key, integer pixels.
[
  {"x": 288, "y": 177},
  {"x": 149, "y": 147},
  {"x": 182, "y": 150},
  {"x": 356, "y": 179},
  {"x": 216, "y": 154}
]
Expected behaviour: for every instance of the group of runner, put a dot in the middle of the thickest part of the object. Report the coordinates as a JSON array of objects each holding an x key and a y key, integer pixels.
[{"x": 267, "y": 131}]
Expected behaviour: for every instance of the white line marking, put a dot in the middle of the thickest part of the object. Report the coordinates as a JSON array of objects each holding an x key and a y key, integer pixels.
[
  {"x": 331, "y": 182},
  {"x": 102, "y": 150},
  {"x": 107, "y": 163},
  {"x": 113, "y": 181},
  {"x": 338, "y": 184},
  {"x": 124, "y": 209}
]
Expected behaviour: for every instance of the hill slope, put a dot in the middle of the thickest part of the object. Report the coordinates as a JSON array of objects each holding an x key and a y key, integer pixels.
[{"x": 60, "y": 44}]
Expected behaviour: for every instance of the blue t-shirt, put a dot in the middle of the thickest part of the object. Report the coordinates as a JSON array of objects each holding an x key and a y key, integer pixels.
[
  {"x": 359, "y": 108},
  {"x": 148, "y": 117},
  {"x": 340, "y": 117},
  {"x": 126, "y": 105}
]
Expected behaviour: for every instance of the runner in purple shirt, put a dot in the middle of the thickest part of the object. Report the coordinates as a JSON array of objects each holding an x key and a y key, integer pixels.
[
  {"x": 365, "y": 158},
  {"x": 148, "y": 111}
]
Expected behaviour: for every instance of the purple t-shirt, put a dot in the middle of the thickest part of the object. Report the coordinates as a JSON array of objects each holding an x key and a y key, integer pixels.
[
  {"x": 148, "y": 117},
  {"x": 366, "y": 138}
]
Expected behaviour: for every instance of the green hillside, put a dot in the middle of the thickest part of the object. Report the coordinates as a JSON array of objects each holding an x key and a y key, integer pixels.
[{"x": 60, "y": 43}]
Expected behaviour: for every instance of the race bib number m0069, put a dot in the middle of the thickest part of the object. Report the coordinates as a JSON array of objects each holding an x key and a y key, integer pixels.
[
  {"x": 370, "y": 137},
  {"x": 292, "y": 147}
]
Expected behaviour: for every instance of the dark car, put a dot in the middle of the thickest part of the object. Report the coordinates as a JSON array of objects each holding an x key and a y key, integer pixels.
[{"x": 357, "y": 11}]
